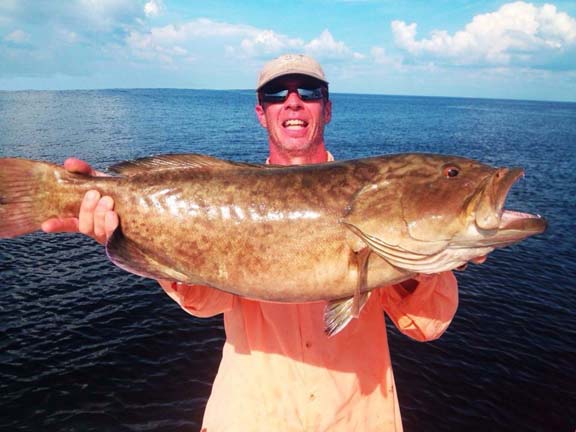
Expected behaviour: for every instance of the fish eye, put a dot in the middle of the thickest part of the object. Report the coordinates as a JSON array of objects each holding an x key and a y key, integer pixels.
[{"x": 451, "y": 171}]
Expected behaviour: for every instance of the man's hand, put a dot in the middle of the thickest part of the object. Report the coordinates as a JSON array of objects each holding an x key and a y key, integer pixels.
[
  {"x": 478, "y": 260},
  {"x": 96, "y": 218}
]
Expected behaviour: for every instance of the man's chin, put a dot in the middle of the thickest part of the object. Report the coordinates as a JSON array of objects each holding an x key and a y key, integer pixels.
[
  {"x": 295, "y": 134},
  {"x": 297, "y": 147}
]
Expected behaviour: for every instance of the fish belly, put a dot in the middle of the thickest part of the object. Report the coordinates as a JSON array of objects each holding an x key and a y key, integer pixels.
[{"x": 250, "y": 241}]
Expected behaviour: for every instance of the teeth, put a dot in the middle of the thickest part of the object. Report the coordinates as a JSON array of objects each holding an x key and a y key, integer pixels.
[{"x": 298, "y": 123}]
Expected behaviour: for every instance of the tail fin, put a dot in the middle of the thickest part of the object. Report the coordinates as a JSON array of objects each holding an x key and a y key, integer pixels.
[{"x": 24, "y": 191}]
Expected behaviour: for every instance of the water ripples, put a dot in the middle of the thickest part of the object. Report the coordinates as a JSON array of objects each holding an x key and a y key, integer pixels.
[{"x": 88, "y": 347}]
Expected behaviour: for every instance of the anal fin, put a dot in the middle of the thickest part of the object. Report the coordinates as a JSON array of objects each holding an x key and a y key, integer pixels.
[{"x": 130, "y": 256}]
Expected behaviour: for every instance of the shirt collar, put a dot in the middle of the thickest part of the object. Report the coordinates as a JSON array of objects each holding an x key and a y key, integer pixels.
[{"x": 329, "y": 158}]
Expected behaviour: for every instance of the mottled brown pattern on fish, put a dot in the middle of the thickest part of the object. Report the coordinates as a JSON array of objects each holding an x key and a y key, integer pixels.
[
  {"x": 291, "y": 233},
  {"x": 244, "y": 214}
]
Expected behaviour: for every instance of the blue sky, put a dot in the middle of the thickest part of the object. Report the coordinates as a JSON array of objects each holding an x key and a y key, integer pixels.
[{"x": 495, "y": 49}]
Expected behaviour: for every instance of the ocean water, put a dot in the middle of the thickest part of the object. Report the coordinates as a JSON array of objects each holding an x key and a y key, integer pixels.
[{"x": 85, "y": 346}]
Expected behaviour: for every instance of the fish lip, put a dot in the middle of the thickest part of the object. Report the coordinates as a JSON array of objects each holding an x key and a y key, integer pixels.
[
  {"x": 490, "y": 205},
  {"x": 490, "y": 212},
  {"x": 519, "y": 221},
  {"x": 505, "y": 178}
]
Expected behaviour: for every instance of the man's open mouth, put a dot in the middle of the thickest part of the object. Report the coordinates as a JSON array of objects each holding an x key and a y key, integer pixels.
[{"x": 295, "y": 123}]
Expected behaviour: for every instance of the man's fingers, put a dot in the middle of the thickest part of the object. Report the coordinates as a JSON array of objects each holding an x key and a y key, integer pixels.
[
  {"x": 96, "y": 219},
  {"x": 86, "y": 216},
  {"x": 477, "y": 260},
  {"x": 480, "y": 259},
  {"x": 60, "y": 225},
  {"x": 92, "y": 216},
  {"x": 111, "y": 223},
  {"x": 104, "y": 206},
  {"x": 78, "y": 166}
]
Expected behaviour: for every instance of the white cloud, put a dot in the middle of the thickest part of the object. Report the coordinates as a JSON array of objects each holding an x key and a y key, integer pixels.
[
  {"x": 516, "y": 33},
  {"x": 326, "y": 47},
  {"x": 67, "y": 36},
  {"x": 105, "y": 15},
  {"x": 153, "y": 8},
  {"x": 380, "y": 56},
  {"x": 201, "y": 28},
  {"x": 207, "y": 37},
  {"x": 17, "y": 36},
  {"x": 170, "y": 42},
  {"x": 265, "y": 42}
]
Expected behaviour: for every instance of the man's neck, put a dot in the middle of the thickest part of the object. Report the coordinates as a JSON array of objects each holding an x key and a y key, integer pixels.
[{"x": 279, "y": 157}]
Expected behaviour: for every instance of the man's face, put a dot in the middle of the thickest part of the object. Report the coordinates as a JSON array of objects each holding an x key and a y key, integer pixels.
[{"x": 294, "y": 125}]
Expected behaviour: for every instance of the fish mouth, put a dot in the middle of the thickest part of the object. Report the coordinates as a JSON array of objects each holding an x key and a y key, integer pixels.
[
  {"x": 490, "y": 212},
  {"x": 514, "y": 220}
]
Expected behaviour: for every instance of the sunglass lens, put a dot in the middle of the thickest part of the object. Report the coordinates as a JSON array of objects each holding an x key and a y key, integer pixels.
[
  {"x": 310, "y": 94},
  {"x": 275, "y": 95},
  {"x": 280, "y": 95}
]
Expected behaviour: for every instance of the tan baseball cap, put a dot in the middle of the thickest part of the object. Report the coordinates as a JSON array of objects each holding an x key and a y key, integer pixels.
[{"x": 289, "y": 64}]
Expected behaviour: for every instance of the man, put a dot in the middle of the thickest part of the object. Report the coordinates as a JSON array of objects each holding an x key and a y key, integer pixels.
[{"x": 279, "y": 370}]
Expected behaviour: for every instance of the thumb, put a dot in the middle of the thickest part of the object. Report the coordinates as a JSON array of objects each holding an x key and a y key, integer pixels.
[{"x": 78, "y": 166}]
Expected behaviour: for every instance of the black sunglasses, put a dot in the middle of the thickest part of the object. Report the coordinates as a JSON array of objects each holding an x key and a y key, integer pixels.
[{"x": 277, "y": 95}]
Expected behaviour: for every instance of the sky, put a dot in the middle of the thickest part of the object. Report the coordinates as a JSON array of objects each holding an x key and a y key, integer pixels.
[{"x": 491, "y": 49}]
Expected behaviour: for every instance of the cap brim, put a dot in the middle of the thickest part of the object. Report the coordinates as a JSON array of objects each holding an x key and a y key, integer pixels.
[{"x": 283, "y": 74}]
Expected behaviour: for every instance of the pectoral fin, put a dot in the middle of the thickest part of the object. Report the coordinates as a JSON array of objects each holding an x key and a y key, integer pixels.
[
  {"x": 425, "y": 260},
  {"x": 131, "y": 257},
  {"x": 361, "y": 261},
  {"x": 375, "y": 216},
  {"x": 338, "y": 313}
]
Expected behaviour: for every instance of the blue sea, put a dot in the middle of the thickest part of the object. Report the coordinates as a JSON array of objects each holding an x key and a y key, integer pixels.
[{"x": 85, "y": 346}]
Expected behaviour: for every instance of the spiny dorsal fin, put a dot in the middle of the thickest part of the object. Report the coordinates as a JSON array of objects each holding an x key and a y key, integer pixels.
[{"x": 172, "y": 161}]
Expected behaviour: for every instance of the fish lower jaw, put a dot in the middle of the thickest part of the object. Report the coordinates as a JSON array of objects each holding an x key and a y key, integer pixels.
[
  {"x": 452, "y": 257},
  {"x": 523, "y": 221},
  {"x": 457, "y": 258}
]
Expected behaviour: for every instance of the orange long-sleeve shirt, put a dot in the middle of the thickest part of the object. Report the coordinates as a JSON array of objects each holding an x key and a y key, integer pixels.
[{"x": 280, "y": 372}]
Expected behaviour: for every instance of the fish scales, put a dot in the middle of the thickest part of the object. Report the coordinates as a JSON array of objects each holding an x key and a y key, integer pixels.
[
  {"x": 300, "y": 233},
  {"x": 261, "y": 233}
]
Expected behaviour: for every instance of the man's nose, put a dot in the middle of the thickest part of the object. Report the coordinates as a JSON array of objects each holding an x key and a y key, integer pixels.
[{"x": 293, "y": 98}]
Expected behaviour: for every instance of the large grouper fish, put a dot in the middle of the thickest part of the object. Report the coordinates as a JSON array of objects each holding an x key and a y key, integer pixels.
[{"x": 305, "y": 233}]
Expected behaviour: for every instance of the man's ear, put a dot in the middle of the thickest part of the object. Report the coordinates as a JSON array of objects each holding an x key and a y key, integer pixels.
[
  {"x": 261, "y": 116},
  {"x": 327, "y": 111}
]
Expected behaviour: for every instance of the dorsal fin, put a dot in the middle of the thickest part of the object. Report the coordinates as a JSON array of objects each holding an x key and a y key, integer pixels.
[{"x": 172, "y": 161}]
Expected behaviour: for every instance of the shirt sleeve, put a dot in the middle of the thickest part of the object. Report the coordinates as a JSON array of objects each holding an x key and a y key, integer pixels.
[
  {"x": 427, "y": 312},
  {"x": 200, "y": 301}
]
